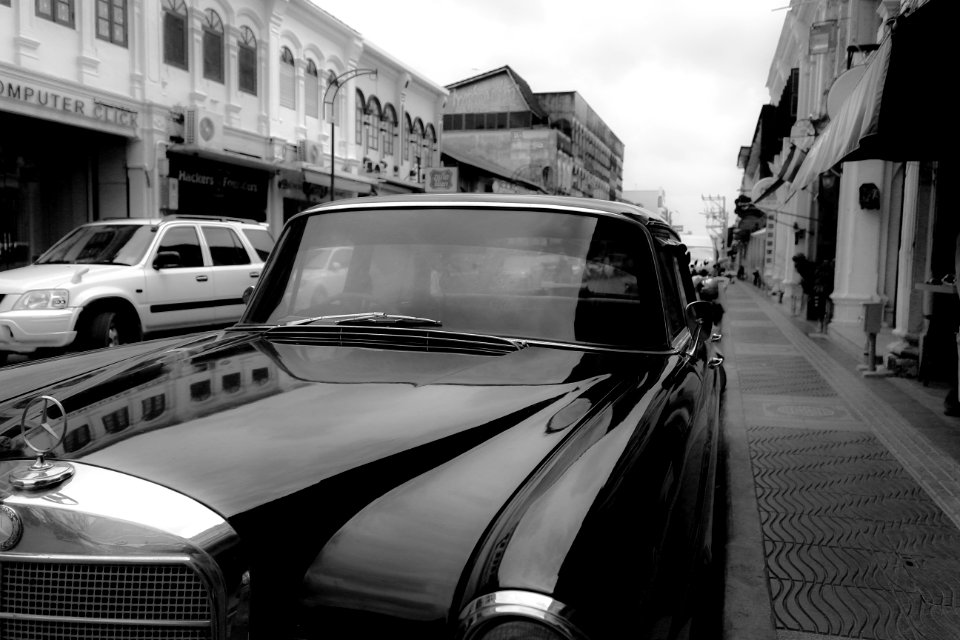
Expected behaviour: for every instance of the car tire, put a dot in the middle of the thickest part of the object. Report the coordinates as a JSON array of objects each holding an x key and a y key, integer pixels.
[{"x": 107, "y": 329}]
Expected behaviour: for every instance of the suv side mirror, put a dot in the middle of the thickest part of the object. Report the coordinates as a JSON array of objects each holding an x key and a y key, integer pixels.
[
  {"x": 167, "y": 260},
  {"x": 247, "y": 294}
]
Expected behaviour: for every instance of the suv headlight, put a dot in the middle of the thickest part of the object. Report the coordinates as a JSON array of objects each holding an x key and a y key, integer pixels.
[{"x": 43, "y": 299}]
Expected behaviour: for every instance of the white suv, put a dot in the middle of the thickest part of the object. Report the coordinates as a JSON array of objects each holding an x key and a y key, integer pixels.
[{"x": 111, "y": 282}]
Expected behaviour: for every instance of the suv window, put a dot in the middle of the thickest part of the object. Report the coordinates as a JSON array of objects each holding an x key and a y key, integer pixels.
[
  {"x": 261, "y": 240},
  {"x": 225, "y": 246},
  {"x": 183, "y": 240},
  {"x": 100, "y": 244}
]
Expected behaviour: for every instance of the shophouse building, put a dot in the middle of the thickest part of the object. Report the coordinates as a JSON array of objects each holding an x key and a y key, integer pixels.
[
  {"x": 554, "y": 140},
  {"x": 138, "y": 108},
  {"x": 862, "y": 176}
]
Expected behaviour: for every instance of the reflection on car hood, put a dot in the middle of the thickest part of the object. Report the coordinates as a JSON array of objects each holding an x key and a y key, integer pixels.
[
  {"x": 398, "y": 460},
  {"x": 52, "y": 276}
]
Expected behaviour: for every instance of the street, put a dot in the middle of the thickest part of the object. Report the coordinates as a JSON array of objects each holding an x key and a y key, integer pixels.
[{"x": 843, "y": 490}]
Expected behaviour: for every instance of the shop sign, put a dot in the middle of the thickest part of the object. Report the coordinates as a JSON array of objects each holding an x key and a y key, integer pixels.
[
  {"x": 441, "y": 180},
  {"x": 85, "y": 107},
  {"x": 207, "y": 186},
  {"x": 823, "y": 37}
]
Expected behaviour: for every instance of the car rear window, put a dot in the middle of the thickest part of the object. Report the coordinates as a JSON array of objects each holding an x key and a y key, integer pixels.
[{"x": 261, "y": 240}]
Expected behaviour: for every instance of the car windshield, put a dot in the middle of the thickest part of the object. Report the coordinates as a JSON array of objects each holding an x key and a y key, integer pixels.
[
  {"x": 516, "y": 273},
  {"x": 101, "y": 244}
]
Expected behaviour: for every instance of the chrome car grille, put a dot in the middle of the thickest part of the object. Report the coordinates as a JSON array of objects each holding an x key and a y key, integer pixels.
[{"x": 42, "y": 600}]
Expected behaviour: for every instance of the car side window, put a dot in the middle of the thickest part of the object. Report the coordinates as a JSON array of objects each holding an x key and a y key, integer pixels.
[
  {"x": 261, "y": 240},
  {"x": 671, "y": 292},
  {"x": 225, "y": 247},
  {"x": 186, "y": 242}
]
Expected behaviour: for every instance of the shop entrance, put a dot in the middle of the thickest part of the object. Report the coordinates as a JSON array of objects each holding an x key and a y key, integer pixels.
[{"x": 53, "y": 178}]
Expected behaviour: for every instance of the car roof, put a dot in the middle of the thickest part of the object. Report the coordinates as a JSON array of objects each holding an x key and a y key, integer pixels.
[
  {"x": 176, "y": 218},
  {"x": 620, "y": 209}
]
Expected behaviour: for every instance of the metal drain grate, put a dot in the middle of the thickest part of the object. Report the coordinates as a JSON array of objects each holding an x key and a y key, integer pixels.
[
  {"x": 853, "y": 546},
  {"x": 780, "y": 375},
  {"x": 760, "y": 335}
]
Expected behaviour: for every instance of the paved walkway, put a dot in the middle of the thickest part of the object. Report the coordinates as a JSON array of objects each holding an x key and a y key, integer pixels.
[{"x": 843, "y": 491}]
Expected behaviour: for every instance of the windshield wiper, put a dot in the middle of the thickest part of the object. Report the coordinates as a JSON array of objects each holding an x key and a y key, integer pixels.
[{"x": 374, "y": 317}]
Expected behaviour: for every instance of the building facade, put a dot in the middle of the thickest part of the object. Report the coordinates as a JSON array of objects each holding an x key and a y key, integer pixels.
[
  {"x": 553, "y": 140},
  {"x": 137, "y": 108},
  {"x": 859, "y": 180}
]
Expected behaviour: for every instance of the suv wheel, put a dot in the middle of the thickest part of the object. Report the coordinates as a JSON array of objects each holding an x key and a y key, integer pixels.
[{"x": 107, "y": 329}]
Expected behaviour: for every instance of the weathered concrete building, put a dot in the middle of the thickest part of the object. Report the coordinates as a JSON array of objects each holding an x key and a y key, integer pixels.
[{"x": 554, "y": 140}]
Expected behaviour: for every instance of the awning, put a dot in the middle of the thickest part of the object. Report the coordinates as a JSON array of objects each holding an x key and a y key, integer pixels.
[
  {"x": 391, "y": 186},
  {"x": 899, "y": 109},
  {"x": 344, "y": 181},
  {"x": 788, "y": 171}
]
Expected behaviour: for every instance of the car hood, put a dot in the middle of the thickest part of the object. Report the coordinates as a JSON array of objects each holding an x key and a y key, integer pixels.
[
  {"x": 370, "y": 475},
  {"x": 53, "y": 276}
]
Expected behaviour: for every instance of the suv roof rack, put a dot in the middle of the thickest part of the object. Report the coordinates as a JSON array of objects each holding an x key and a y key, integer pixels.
[{"x": 184, "y": 216}]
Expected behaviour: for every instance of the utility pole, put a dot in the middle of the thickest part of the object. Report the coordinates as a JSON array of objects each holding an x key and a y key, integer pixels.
[{"x": 715, "y": 211}]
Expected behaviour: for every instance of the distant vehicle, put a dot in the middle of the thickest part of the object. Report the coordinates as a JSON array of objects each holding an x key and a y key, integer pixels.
[{"x": 111, "y": 282}]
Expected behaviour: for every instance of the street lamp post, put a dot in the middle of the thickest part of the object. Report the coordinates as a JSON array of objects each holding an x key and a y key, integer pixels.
[{"x": 328, "y": 99}]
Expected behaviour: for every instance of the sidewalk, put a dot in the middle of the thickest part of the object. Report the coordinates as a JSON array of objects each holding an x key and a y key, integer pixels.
[{"x": 843, "y": 491}]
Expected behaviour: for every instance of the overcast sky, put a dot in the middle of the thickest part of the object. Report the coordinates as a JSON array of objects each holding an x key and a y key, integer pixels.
[{"x": 680, "y": 82}]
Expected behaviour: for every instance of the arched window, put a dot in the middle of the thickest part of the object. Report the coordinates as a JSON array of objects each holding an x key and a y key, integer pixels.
[
  {"x": 389, "y": 128},
  {"x": 311, "y": 86},
  {"x": 373, "y": 123},
  {"x": 212, "y": 46},
  {"x": 175, "y": 33},
  {"x": 360, "y": 118},
  {"x": 429, "y": 146},
  {"x": 415, "y": 138},
  {"x": 247, "y": 61},
  {"x": 288, "y": 79},
  {"x": 112, "y": 21},
  {"x": 60, "y": 11}
]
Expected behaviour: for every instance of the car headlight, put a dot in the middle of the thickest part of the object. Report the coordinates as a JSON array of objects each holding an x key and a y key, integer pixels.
[
  {"x": 43, "y": 299},
  {"x": 517, "y": 615}
]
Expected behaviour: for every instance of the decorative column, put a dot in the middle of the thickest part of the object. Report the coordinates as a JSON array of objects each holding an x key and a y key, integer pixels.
[
  {"x": 25, "y": 43},
  {"x": 909, "y": 312},
  {"x": 195, "y": 55},
  {"x": 300, "y": 78},
  {"x": 231, "y": 78},
  {"x": 858, "y": 242},
  {"x": 87, "y": 62},
  {"x": 137, "y": 40}
]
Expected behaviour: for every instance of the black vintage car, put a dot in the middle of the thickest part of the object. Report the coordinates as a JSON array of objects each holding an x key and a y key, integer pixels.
[{"x": 501, "y": 422}]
